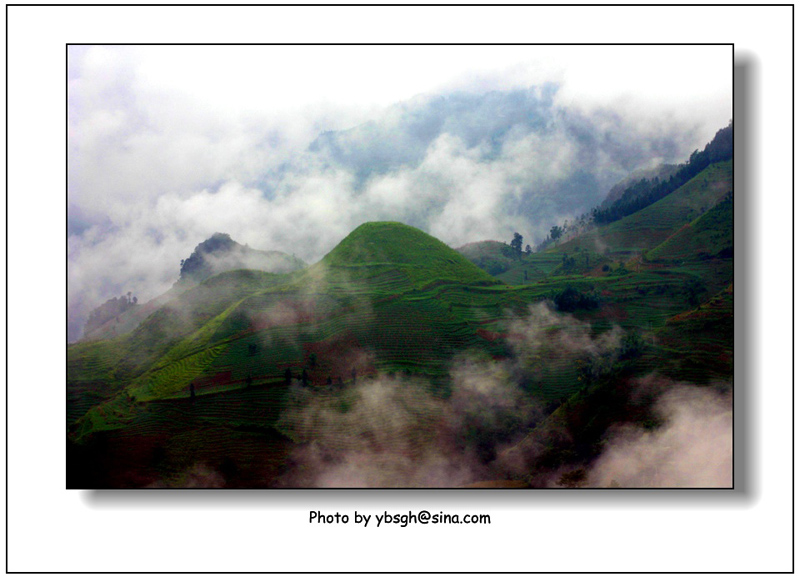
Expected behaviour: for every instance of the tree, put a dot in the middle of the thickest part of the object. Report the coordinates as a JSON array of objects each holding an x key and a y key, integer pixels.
[
  {"x": 108, "y": 311},
  {"x": 528, "y": 249},
  {"x": 555, "y": 232},
  {"x": 516, "y": 244},
  {"x": 570, "y": 299},
  {"x": 287, "y": 376}
]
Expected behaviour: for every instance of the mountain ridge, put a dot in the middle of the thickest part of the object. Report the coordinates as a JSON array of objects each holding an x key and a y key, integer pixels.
[{"x": 220, "y": 253}]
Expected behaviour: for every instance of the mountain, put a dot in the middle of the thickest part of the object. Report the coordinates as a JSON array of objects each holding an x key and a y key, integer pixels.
[
  {"x": 388, "y": 299},
  {"x": 644, "y": 210},
  {"x": 420, "y": 257},
  {"x": 361, "y": 289},
  {"x": 220, "y": 253},
  {"x": 555, "y": 158},
  {"x": 653, "y": 224},
  {"x": 396, "y": 351}
]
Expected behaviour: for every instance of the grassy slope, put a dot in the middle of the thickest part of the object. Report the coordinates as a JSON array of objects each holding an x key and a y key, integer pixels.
[
  {"x": 388, "y": 293},
  {"x": 641, "y": 231},
  {"x": 132, "y": 318},
  {"x": 709, "y": 234},
  {"x": 654, "y": 224},
  {"x": 679, "y": 299},
  {"x": 676, "y": 231},
  {"x": 420, "y": 257},
  {"x": 698, "y": 344}
]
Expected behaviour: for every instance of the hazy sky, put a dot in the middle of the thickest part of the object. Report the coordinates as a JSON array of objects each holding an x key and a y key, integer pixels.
[{"x": 168, "y": 145}]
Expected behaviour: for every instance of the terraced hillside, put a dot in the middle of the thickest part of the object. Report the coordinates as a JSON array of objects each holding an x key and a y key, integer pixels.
[
  {"x": 389, "y": 298},
  {"x": 654, "y": 224},
  {"x": 198, "y": 392}
]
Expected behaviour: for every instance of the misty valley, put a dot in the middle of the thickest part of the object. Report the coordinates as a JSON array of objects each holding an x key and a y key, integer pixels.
[{"x": 599, "y": 356}]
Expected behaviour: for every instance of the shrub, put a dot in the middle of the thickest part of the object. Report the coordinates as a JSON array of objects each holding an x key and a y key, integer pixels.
[{"x": 570, "y": 300}]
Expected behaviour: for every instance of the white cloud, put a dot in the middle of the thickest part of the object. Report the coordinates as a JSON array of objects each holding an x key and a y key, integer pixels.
[
  {"x": 693, "y": 448},
  {"x": 170, "y": 144}
]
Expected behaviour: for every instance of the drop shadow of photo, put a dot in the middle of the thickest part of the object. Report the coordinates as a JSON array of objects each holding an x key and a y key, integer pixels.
[{"x": 746, "y": 363}]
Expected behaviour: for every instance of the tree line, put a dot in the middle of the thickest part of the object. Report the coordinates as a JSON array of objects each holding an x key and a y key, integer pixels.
[
  {"x": 648, "y": 191},
  {"x": 645, "y": 192},
  {"x": 110, "y": 309}
]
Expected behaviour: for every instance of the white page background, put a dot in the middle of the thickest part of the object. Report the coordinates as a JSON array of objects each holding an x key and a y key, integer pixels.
[{"x": 51, "y": 529}]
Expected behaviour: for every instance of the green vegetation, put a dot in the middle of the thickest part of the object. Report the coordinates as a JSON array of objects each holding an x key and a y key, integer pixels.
[
  {"x": 421, "y": 258},
  {"x": 490, "y": 255},
  {"x": 654, "y": 224},
  {"x": 111, "y": 309},
  {"x": 645, "y": 192},
  {"x": 707, "y": 236},
  {"x": 205, "y": 376},
  {"x": 570, "y": 300}
]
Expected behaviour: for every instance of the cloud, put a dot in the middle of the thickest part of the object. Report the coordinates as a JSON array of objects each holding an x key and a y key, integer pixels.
[
  {"x": 291, "y": 149},
  {"x": 381, "y": 433},
  {"x": 692, "y": 448},
  {"x": 395, "y": 431},
  {"x": 399, "y": 431}
]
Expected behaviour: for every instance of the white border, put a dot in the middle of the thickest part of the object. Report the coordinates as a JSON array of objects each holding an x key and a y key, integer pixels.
[{"x": 51, "y": 529}]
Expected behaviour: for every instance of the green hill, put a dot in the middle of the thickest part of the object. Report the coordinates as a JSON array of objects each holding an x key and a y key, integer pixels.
[
  {"x": 660, "y": 172},
  {"x": 418, "y": 256},
  {"x": 388, "y": 298},
  {"x": 691, "y": 222}
]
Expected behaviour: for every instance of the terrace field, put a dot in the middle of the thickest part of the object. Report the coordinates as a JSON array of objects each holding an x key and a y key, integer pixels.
[{"x": 194, "y": 395}]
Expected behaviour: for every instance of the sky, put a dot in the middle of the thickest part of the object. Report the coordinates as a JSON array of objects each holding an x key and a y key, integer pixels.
[{"x": 291, "y": 147}]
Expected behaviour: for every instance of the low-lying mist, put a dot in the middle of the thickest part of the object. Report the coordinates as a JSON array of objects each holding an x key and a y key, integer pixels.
[
  {"x": 487, "y": 423},
  {"x": 494, "y": 420},
  {"x": 398, "y": 432},
  {"x": 692, "y": 448},
  {"x": 461, "y": 167}
]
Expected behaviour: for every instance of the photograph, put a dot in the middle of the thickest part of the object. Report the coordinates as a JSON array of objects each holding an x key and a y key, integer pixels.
[{"x": 433, "y": 266}]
